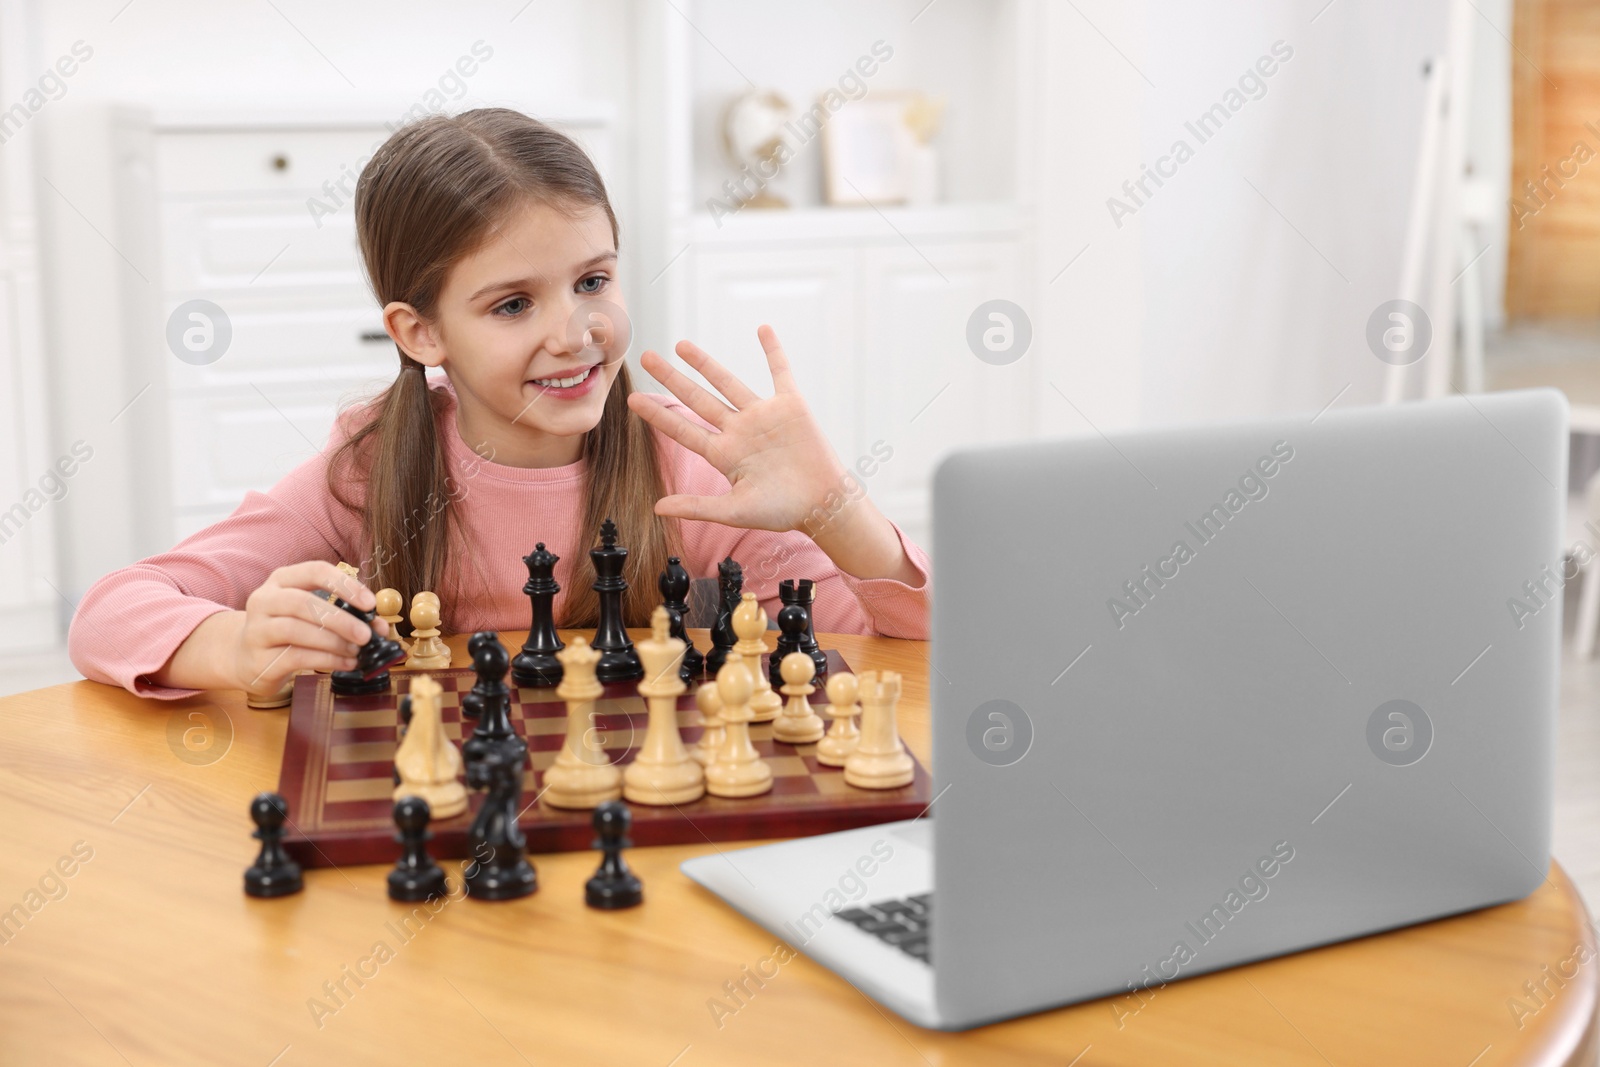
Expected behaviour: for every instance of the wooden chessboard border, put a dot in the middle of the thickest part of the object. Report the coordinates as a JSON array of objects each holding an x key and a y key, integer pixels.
[{"x": 317, "y": 839}]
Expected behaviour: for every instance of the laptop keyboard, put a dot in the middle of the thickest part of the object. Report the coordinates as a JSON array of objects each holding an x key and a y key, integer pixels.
[{"x": 902, "y": 923}]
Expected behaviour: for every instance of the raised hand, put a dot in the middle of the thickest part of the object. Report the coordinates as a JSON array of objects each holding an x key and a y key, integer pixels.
[{"x": 770, "y": 449}]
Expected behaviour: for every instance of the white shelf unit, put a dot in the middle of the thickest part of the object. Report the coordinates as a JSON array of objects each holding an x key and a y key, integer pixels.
[{"x": 871, "y": 303}]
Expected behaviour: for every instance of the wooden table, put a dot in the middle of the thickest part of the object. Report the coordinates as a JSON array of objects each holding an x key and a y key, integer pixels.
[{"x": 150, "y": 953}]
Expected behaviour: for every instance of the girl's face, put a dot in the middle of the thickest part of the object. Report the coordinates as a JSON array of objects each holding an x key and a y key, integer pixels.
[{"x": 531, "y": 329}]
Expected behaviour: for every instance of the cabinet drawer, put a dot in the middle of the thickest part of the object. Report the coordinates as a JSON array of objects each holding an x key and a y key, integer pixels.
[
  {"x": 257, "y": 242},
  {"x": 328, "y": 336},
  {"x": 267, "y": 161},
  {"x": 226, "y": 444}
]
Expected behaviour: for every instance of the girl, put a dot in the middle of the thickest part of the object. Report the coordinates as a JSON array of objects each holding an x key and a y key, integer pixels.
[{"x": 490, "y": 242}]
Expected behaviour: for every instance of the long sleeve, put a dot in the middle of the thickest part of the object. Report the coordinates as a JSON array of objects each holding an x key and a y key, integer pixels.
[{"x": 131, "y": 621}]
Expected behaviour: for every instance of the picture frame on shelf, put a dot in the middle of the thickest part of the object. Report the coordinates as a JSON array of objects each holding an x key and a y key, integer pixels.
[{"x": 868, "y": 152}]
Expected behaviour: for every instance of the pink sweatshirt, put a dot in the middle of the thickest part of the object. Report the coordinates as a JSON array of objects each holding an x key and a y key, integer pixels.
[{"x": 131, "y": 621}]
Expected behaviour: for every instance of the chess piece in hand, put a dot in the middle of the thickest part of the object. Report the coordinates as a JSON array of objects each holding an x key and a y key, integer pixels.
[{"x": 288, "y": 626}]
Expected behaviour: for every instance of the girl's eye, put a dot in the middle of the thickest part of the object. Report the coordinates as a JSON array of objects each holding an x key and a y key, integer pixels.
[
  {"x": 512, "y": 303},
  {"x": 594, "y": 283}
]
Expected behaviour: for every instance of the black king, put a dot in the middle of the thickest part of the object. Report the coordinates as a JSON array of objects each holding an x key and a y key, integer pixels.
[{"x": 618, "y": 660}]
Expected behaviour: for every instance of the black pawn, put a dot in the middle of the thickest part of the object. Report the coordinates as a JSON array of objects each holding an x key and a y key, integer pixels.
[
  {"x": 472, "y": 700},
  {"x": 618, "y": 660},
  {"x": 536, "y": 664},
  {"x": 492, "y": 697},
  {"x": 372, "y": 661},
  {"x": 804, "y": 593},
  {"x": 273, "y": 874},
  {"x": 499, "y": 869},
  {"x": 415, "y": 875},
  {"x": 791, "y": 630},
  {"x": 730, "y": 586},
  {"x": 613, "y": 886},
  {"x": 674, "y": 586}
]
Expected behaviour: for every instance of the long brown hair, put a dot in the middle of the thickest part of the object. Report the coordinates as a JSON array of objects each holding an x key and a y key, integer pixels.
[{"x": 433, "y": 193}]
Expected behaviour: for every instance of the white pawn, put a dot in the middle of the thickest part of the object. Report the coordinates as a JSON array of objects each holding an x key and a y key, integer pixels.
[
  {"x": 798, "y": 725},
  {"x": 738, "y": 770},
  {"x": 389, "y": 604},
  {"x": 662, "y": 772},
  {"x": 842, "y": 733},
  {"x": 709, "y": 702},
  {"x": 266, "y": 701},
  {"x": 582, "y": 775},
  {"x": 749, "y": 624},
  {"x": 879, "y": 761},
  {"x": 426, "y": 760},
  {"x": 427, "y": 651}
]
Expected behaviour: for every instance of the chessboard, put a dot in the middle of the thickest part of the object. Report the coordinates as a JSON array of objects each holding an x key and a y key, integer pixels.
[{"x": 338, "y": 764}]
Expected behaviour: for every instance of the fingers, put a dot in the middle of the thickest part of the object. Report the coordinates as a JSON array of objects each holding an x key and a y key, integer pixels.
[
  {"x": 286, "y": 630},
  {"x": 726, "y": 382},
  {"x": 317, "y": 574},
  {"x": 314, "y": 611},
  {"x": 701, "y": 402},
  {"x": 289, "y": 628},
  {"x": 673, "y": 425},
  {"x": 700, "y": 508},
  {"x": 777, "y": 362}
]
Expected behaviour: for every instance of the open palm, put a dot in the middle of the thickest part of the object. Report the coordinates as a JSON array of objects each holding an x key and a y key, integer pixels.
[{"x": 770, "y": 449}]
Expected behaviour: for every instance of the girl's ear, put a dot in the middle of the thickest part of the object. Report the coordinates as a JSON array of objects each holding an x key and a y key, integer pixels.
[{"x": 415, "y": 336}]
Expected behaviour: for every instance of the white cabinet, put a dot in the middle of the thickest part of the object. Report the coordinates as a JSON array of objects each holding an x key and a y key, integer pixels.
[
  {"x": 806, "y": 295},
  {"x": 926, "y": 392},
  {"x": 238, "y": 229},
  {"x": 875, "y": 328}
]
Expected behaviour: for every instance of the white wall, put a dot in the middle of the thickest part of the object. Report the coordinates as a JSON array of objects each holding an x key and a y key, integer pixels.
[
  {"x": 177, "y": 53},
  {"x": 1267, "y": 252},
  {"x": 1091, "y": 320}
]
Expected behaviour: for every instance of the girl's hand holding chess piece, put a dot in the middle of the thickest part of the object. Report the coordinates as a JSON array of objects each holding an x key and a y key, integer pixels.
[{"x": 284, "y": 628}]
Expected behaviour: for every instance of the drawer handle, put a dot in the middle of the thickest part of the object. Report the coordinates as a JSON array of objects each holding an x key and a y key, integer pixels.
[
  {"x": 280, "y": 162},
  {"x": 370, "y": 336}
]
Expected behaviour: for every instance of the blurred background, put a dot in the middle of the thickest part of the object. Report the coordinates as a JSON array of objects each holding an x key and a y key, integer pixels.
[{"x": 969, "y": 221}]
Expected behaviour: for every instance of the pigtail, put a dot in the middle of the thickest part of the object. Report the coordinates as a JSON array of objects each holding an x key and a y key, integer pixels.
[{"x": 406, "y": 508}]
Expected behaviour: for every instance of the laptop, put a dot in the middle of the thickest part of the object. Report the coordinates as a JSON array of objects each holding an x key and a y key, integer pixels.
[{"x": 1203, "y": 696}]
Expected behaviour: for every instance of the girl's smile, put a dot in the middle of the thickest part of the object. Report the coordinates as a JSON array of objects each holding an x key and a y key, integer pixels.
[{"x": 577, "y": 383}]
